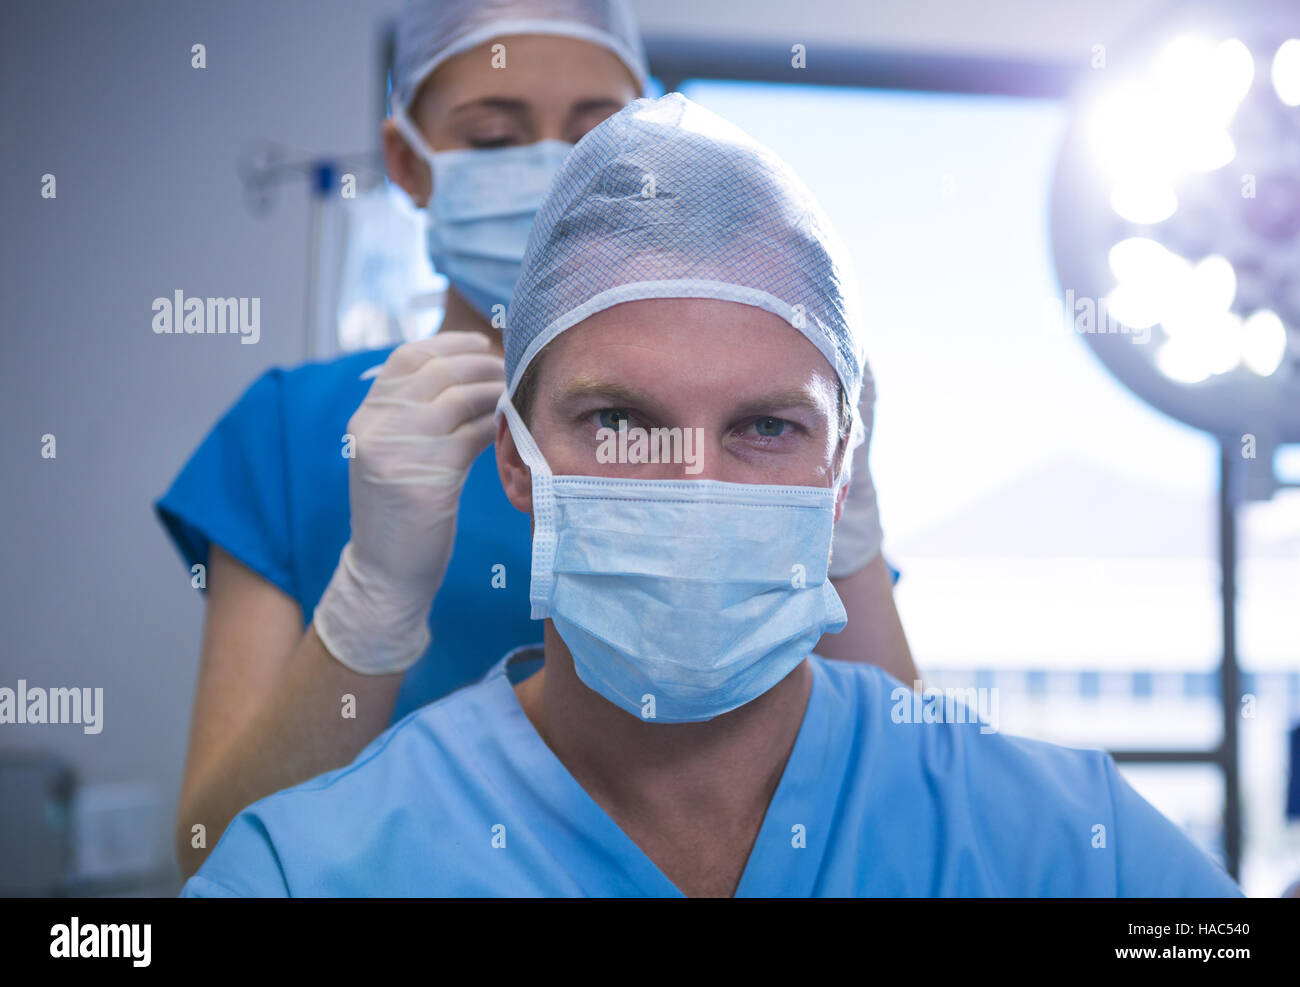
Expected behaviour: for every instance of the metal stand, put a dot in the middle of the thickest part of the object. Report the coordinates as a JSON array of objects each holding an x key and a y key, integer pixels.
[
  {"x": 1229, "y": 673},
  {"x": 1226, "y": 755},
  {"x": 263, "y": 167}
]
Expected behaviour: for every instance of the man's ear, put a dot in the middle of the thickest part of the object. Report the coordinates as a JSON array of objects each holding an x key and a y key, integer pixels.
[
  {"x": 839, "y": 501},
  {"x": 840, "y": 454},
  {"x": 516, "y": 477},
  {"x": 405, "y": 167}
]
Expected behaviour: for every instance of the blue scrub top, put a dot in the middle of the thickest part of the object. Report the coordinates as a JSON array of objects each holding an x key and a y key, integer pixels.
[
  {"x": 464, "y": 798},
  {"x": 269, "y": 485}
]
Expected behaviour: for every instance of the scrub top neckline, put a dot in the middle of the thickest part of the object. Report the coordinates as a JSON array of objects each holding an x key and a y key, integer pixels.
[{"x": 552, "y": 784}]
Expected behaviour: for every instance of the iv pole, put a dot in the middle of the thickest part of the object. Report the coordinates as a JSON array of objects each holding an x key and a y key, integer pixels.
[{"x": 262, "y": 169}]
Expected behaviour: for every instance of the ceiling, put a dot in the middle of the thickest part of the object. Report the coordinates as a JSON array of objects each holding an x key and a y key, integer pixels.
[{"x": 1035, "y": 30}]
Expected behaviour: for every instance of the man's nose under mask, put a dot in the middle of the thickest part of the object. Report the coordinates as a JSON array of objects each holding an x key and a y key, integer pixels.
[
  {"x": 481, "y": 211},
  {"x": 680, "y": 600}
]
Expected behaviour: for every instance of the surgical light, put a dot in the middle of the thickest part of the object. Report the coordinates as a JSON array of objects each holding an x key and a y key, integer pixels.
[
  {"x": 1264, "y": 342},
  {"x": 1177, "y": 202},
  {"x": 1286, "y": 72}
]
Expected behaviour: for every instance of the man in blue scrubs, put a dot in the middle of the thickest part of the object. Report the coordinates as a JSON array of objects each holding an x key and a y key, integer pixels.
[{"x": 674, "y": 735}]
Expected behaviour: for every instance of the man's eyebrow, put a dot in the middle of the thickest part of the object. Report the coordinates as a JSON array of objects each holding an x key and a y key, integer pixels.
[
  {"x": 619, "y": 395},
  {"x": 802, "y": 398},
  {"x": 607, "y": 390}
]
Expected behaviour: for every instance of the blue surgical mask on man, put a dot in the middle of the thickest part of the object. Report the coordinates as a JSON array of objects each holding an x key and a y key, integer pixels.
[
  {"x": 481, "y": 211},
  {"x": 679, "y": 600}
]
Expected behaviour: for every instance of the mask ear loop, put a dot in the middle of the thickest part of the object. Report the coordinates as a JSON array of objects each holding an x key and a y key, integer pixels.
[
  {"x": 543, "y": 575},
  {"x": 408, "y": 130},
  {"x": 406, "y": 127}
]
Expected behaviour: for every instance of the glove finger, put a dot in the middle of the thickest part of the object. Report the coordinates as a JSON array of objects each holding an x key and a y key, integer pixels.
[
  {"x": 409, "y": 357},
  {"x": 435, "y": 376},
  {"x": 477, "y": 434},
  {"x": 457, "y": 405},
  {"x": 442, "y": 460}
]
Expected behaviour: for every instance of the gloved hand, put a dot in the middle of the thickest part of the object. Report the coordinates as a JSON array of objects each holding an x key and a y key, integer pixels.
[
  {"x": 427, "y": 417},
  {"x": 857, "y": 537}
]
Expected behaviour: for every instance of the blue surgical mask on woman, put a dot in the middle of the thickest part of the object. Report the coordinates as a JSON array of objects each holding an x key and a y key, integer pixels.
[
  {"x": 481, "y": 211},
  {"x": 680, "y": 600}
]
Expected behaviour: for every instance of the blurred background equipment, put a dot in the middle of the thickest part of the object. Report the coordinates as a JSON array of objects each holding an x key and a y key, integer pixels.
[
  {"x": 1176, "y": 234},
  {"x": 35, "y": 826},
  {"x": 369, "y": 283}
]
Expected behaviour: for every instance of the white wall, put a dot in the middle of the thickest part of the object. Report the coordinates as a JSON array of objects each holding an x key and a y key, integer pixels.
[{"x": 144, "y": 149}]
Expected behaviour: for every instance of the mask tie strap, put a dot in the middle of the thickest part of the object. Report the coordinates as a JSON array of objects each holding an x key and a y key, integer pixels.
[
  {"x": 407, "y": 129},
  {"x": 543, "y": 574}
]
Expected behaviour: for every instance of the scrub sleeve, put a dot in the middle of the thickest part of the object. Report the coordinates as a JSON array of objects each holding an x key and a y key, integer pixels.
[{"x": 269, "y": 484}]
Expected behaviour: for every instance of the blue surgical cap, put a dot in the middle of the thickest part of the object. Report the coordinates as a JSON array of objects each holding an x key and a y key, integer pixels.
[
  {"x": 431, "y": 31},
  {"x": 668, "y": 200}
]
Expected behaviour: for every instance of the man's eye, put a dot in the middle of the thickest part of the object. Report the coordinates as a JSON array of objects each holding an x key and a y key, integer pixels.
[
  {"x": 614, "y": 418},
  {"x": 770, "y": 428}
]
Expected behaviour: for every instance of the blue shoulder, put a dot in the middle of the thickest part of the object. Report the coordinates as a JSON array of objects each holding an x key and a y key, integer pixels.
[
  {"x": 1041, "y": 818},
  {"x": 343, "y": 833}
]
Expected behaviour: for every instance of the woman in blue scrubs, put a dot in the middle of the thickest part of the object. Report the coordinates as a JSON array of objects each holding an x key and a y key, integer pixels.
[{"x": 264, "y": 502}]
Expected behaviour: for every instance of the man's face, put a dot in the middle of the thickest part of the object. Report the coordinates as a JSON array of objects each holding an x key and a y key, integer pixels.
[{"x": 764, "y": 400}]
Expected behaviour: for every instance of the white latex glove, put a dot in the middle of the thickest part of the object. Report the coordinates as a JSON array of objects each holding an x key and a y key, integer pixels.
[
  {"x": 857, "y": 536},
  {"x": 427, "y": 417}
]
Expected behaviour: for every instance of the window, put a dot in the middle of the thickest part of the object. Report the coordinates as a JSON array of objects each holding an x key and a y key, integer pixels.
[{"x": 1057, "y": 537}]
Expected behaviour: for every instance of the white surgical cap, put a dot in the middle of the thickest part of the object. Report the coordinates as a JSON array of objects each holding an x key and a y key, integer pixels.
[
  {"x": 431, "y": 31},
  {"x": 667, "y": 200}
]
